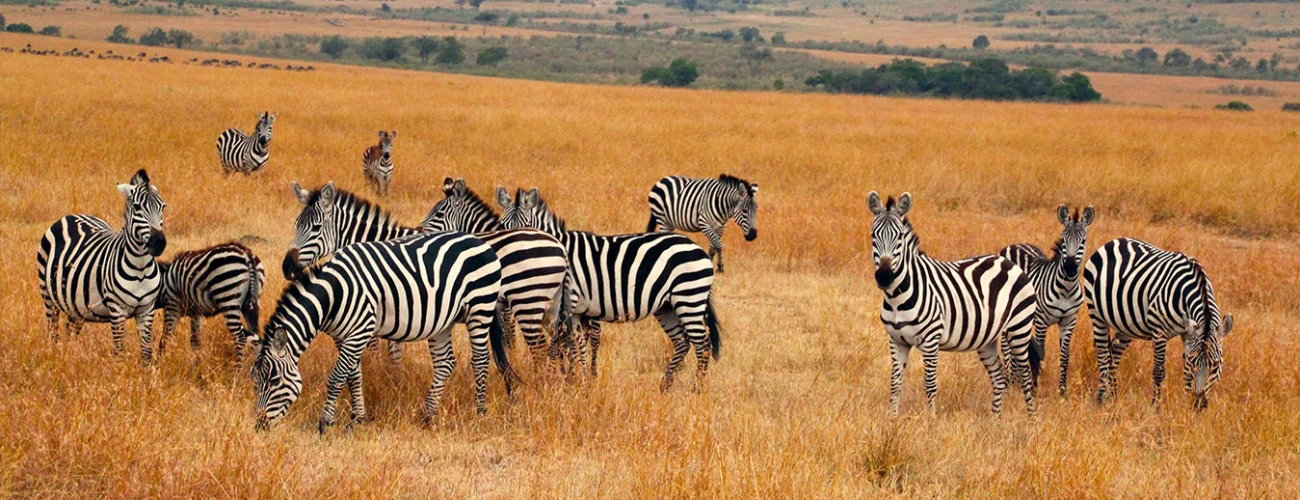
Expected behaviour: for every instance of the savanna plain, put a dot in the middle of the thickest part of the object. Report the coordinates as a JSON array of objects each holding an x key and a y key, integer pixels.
[{"x": 796, "y": 405}]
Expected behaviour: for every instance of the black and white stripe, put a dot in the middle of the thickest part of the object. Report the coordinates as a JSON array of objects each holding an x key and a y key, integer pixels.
[
  {"x": 1138, "y": 291},
  {"x": 377, "y": 162},
  {"x": 90, "y": 273},
  {"x": 533, "y": 263},
  {"x": 631, "y": 277},
  {"x": 975, "y": 304},
  {"x": 246, "y": 153},
  {"x": 704, "y": 205},
  {"x": 1056, "y": 280},
  {"x": 404, "y": 290},
  {"x": 226, "y": 279}
]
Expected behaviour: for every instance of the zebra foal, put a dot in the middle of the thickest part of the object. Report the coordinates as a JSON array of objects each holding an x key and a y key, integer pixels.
[
  {"x": 377, "y": 162},
  {"x": 224, "y": 280}
]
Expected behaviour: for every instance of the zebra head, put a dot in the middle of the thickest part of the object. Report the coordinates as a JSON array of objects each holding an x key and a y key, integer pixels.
[
  {"x": 461, "y": 210},
  {"x": 893, "y": 243},
  {"x": 316, "y": 232},
  {"x": 1203, "y": 342},
  {"x": 265, "y": 123},
  {"x": 746, "y": 211},
  {"x": 528, "y": 210},
  {"x": 275, "y": 374},
  {"x": 144, "y": 214},
  {"x": 1074, "y": 238},
  {"x": 386, "y": 144}
]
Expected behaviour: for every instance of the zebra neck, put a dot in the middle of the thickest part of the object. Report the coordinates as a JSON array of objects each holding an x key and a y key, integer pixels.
[
  {"x": 905, "y": 281},
  {"x": 374, "y": 225},
  {"x": 257, "y": 153},
  {"x": 142, "y": 264}
]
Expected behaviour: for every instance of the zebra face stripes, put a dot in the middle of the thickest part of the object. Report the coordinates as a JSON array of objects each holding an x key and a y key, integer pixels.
[
  {"x": 1074, "y": 239},
  {"x": 332, "y": 219},
  {"x": 974, "y": 304},
  {"x": 704, "y": 205},
  {"x": 144, "y": 214},
  {"x": 1136, "y": 290},
  {"x": 461, "y": 210},
  {"x": 404, "y": 290},
  {"x": 246, "y": 153},
  {"x": 377, "y": 162}
]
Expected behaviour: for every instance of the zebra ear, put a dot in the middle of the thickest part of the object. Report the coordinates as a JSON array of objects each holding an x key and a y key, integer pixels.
[
  {"x": 125, "y": 188},
  {"x": 503, "y": 197},
  {"x": 753, "y": 190},
  {"x": 279, "y": 344},
  {"x": 140, "y": 177},
  {"x": 301, "y": 194},
  {"x": 392, "y": 135},
  {"x": 1063, "y": 214},
  {"x": 874, "y": 204},
  {"x": 528, "y": 200},
  {"x": 1088, "y": 215},
  {"x": 904, "y": 204},
  {"x": 459, "y": 187},
  {"x": 327, "y": 193},
  {"x": 447, "y": 184},
  {"x": 1226, "y": 326}
]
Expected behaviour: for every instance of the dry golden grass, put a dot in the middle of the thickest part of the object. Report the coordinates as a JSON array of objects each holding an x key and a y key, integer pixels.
[{"x": 795, "y": 407}]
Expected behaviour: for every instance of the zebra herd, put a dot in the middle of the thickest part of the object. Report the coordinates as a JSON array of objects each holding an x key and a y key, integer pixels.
[{"x": 358, "y": 276}]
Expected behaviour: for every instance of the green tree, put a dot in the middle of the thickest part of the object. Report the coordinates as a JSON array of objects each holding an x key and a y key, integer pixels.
[
  {"x": 513, "y": 20},
  {"x": 119, "y": 35},
  {"x": 1076, "y": 88},
  {"x": 452, "y": 52},
  {"x": 1262, "y": 66},
  {"x": 51, "y": 31},
  {"x": 749, "y": 35},
  {"x": 754, "y": 57},
  {"x": 1146, "y": 54},
  {"x": 383, "y": 49},
  {"x": 426, "y": 46},
  {"x": 492, "y": 56},
  {"x": 981, "y": 42},
  {"x": 154, "y": 38},
  {"x": 1177, "y": 58},
  {"x": 683, "y": 72},
  {"x": 475, "y": 4},
  {"x": 333, "y": 46},
  {"x": 19, "y": 28},
  {"x": 486, "y": 18},
  {"x": 180, "y": 38},
  {"x": 778, "y": 38},
  {"x": 656, "y": 74}
]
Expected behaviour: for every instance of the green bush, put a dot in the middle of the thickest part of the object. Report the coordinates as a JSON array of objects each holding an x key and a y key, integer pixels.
[
  {"x": 1235, "y": 106},
  {"x": 492, "y": 56},
  {"x": 19, "y": 28},
  {"x": 333, "y": 46}
]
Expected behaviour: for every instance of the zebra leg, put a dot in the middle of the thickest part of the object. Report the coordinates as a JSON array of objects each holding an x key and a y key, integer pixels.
[
  {"x": 930, "y": 356},
  {"x": 673, "y": 327},
  {"x": 478, "y": 322},
  {"x": 1101, "y": 344},
  {"x": 144, "y": 326},
  {"x": 395, "y": 352},
  {"x": 52, "y": 318},
  {"x": 170, "y": 318},
  {"x": 530, "y": 326},
  {"x": 1066, "y": 331},
  {"x": 997, "y": 375},
  {"x": 1187, "y": 366},
  {"x": 349, "y": 360},
  {"x": 715, "y": 244},
  {"x": 74, "y": 327},
  {"x": 1019, "y": 345},
  {"x": 1117, "y": 347},
  {"x": 235, "y": 325},
  {"x": 899, "y": 352},
  {"x": 1158, "y": 367},
  {"x": 373, "y": 346},
  {"x": 195, "y": 342},
  {"x": 698, "y": 335},
  {"x": 508, "y": 325},
  {"x": 118, "y": 325},
  {"x": 444, "y": 361},
  {"x": 359, "y": 415},
  {"x": 591, "y": 327}
]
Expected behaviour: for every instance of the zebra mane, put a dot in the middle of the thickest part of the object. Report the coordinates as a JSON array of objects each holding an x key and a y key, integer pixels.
[
  {"x": 342, "y": 197},
  {"x": 1203, "y": 286},
  {"x": 731, "y": 181},
  {"x": 541, "y": 204},
  {"x": 220, "y": 246},
  {"x": 477, "y": 202}
]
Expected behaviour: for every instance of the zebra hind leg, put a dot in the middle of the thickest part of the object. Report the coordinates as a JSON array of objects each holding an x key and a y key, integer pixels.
[
  {"x": 997, "y": 374},
  {"x": 672, "y": 326},
  {"x": 1024, "y": 362},
  {"x": 591, "y": 330},
  {"x": 170, "y": 319},
  {"x": 444, "y": 361},
  {"x": 1158, "y": 368},
  {"x": 52, "y": 320},
  {"x": 395, "y": 352},
  {"x": 349, "y": 361},
  {"x": 1101, "y": 343},
  {"x": 195, "y": 341}
]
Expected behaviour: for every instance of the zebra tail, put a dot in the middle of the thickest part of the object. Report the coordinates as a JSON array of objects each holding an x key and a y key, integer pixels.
[
  {"x": 653, "y": 225},
  {"x": 715, "y": 329},
  {"x": 251, "y": 307},
  {"x": 1035, "y": 360},
  {"x": 497, "y": 338}
]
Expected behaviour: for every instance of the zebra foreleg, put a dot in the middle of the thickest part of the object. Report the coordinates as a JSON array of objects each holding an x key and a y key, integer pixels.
[
  {"x": 715, "y": 244},
  {"x": 930, "y": 356},
  {"x": 1101, "y": 344},
  {"x": 170, "y": 319},
  {"x": 395, "y": 352},
  {"x": 1066, "y": 332},
  {"x": 118, "y": 324},
  {"x": 997, "y": 375},
  {"x": 359, "y": 415},
  {"x": 444, "y": 360},
  {"x": 195, "y": 341},
  {"x": 898, "y": 352},
  {"x": 144, "y": 326},
  {"x": 348, "y": 361},
  {"x": 1158, "y": 367}
]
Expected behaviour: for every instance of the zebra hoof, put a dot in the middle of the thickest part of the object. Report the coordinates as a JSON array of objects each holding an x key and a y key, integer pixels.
[
  {"x": 482, "y": 410},
  {"x": 323, "y": 426}
]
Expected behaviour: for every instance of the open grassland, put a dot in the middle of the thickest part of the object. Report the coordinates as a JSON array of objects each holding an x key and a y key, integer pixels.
[{"x": 796, "y": 407}]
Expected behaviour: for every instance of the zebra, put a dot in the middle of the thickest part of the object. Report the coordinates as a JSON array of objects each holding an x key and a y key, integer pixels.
[
  {"x": 243, "y": 153},
  {"x": 377, "y": 162},
  {"x": 404, "y": 290},
  {"x": 533, "y": 263},
  {"x": 967, "y": 305},
  {"x": 225, "y": 279},
  {"x": 1056, "y": 280},
  {"x": 1138, "y": 291},
  {"x": 90, "y": 273},
  {"x": 704, "y": 205},
  {"x": 630, "y": 277}
]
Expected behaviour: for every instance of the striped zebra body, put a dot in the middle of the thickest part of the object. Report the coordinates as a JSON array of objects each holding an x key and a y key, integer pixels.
[
  {"x": 404, "y": 290},
  {"x": 631, "y": 277},
  {"x": 1056, "y": 280},
  {"x": 377, "y": 162},
  {"x": 533, "y": 263},
  {"x": 704, "y": 205},
  {"x": 224, "y": 280},
  {"x": 246, "y": 153},
  {"x": 1138, "y": 291},
  {"x": 90, "y": 273},
  {"x": 977, "y": 304}
]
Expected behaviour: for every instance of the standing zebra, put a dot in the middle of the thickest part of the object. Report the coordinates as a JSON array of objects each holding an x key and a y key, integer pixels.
[
  {"x": 244, "y": 153},
  {"x": 91, "y": 273},
  {"x": 377, "y": 162},
  {"x": 704, "y": 205},
  {"x": 631, "y": 277},
  {"x": 226, "y": 279},
  {"x": 403, "y": 290},
  {"x": 1139, "y": 291},
  {"x": 973, "y": 304},
  {"x": 533, "y": 263},
  {"x": 1056, "y": 279}
]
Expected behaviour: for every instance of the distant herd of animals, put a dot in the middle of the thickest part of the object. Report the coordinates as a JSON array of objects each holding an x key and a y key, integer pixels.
[
  {"x": 360, "y": 277},
  {"x": 109, "y": 55}
]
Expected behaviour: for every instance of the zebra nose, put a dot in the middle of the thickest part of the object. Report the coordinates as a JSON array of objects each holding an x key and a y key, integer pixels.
[
  {"x": 385, "y": 156},
  {"x": 157, "y": 242},
  {"x": 752, "y": 235}
]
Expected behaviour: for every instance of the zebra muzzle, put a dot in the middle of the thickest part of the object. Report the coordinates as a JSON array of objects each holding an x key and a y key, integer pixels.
[
  {"x": 885, "y": 274},
  {"x": 157, "y": 243},
  {"x": 290, "y": 267},
  {"x": 751, "y": 235}
]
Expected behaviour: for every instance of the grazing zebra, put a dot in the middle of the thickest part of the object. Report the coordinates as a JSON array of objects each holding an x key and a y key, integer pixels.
[
  {"x": 88, "y": 272},
  {"x": 1138, "y": 291},
  {"x": 377, "y": 162},
  {"x": 704, "y": 205},
  {"x": 226, "y": 279},
  {"x": 1056, "y": 279},
  {"x": 631, "y": 277},
  {"x": 403, "y": 290},
  {"x": 533, "y": 263},
  {"x": 973, "y": 304},
  {"x": 243, "y": 153}
]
